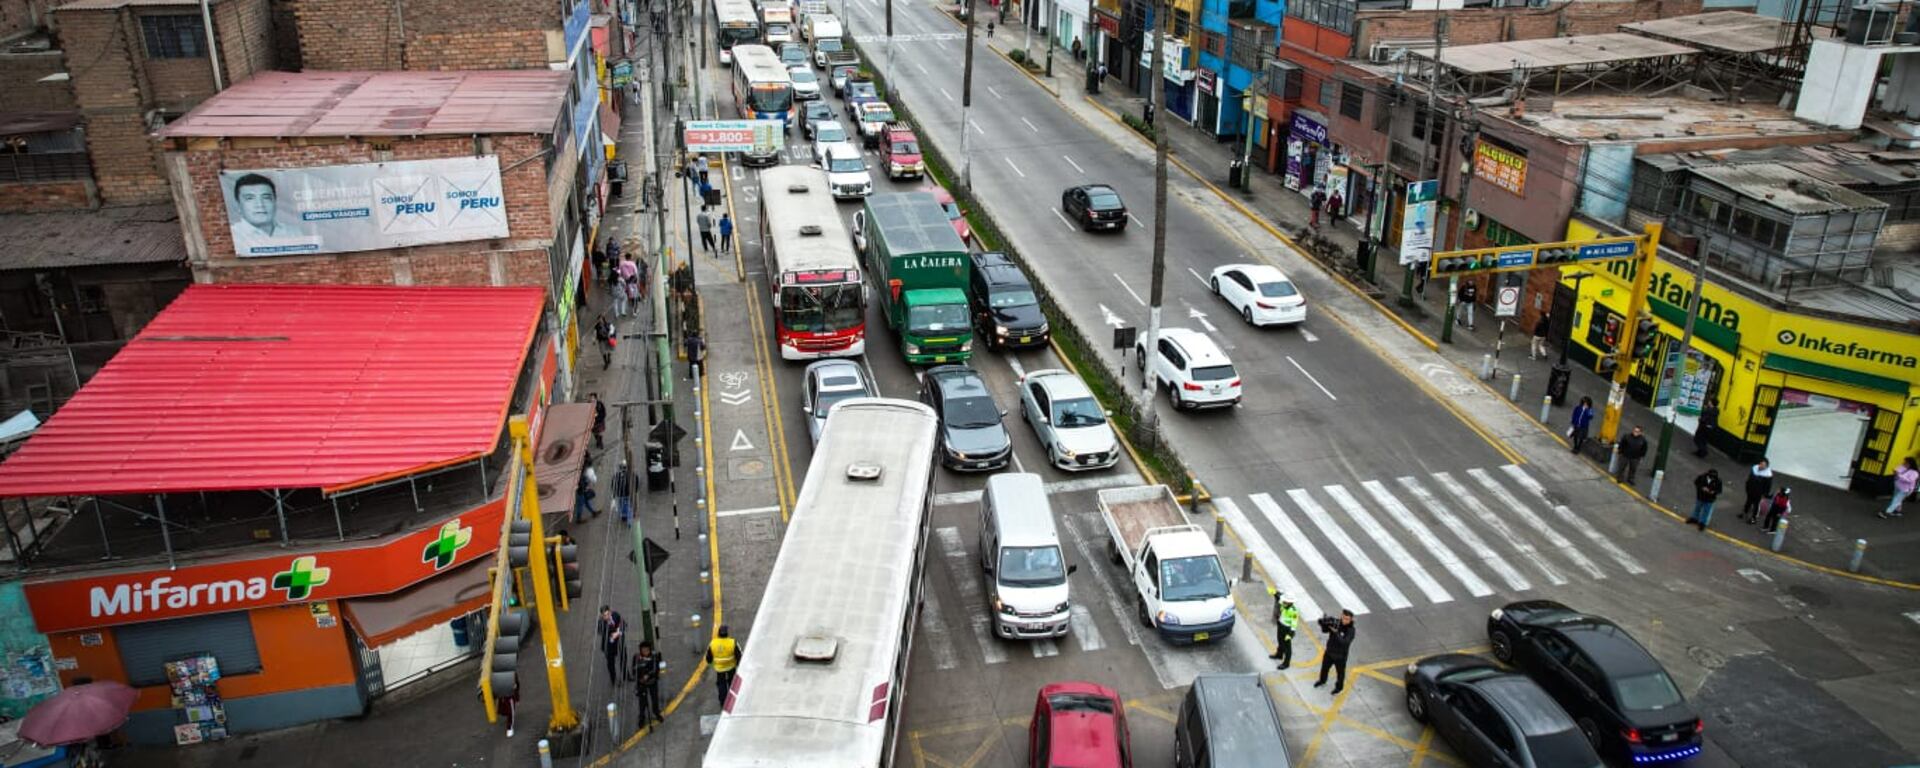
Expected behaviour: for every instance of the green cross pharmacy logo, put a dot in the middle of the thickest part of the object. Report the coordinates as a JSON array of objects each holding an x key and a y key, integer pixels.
[
  {"x": 301, "y": 578},
  {"x": 442, "y": 549}
]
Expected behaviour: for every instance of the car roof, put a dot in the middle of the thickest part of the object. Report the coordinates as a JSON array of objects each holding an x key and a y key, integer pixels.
[
  {"x": 1081, "y": 737},
  {"x": 898, "y": 131},
  {"x": 835, "y": 122},
  {"x": 1002, "y": 274},
  {"x": 1094, "y": 189},
  {"x": 835, "y": 366},
  {"x": 1031, "y": 527},
  {"x": 842, "y": 148},
  {"x": 1259, "y": 272},
  {"x": 874, "y": 106},
  {"x": 1196, "y": 345},
  {"x": 959, "y": 381},
  {"x": 1613, "y": 650},
  {"x": 1060, "y": 383},
  {"x": 1242, "y": 728},
  {"x": 1525, "y": 704}
]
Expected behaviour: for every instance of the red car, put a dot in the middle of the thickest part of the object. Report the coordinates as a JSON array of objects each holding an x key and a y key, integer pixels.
[
  {"x": 900, "y": 152},
  {"x": 954, "y": 214},
  {"x": 1078, "y": 725}
]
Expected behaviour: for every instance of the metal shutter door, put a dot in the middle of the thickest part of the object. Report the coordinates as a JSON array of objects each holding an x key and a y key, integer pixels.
[{"x": 146, "y": 648}]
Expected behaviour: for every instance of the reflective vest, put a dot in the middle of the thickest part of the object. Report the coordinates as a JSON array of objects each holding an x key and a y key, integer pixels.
[
  {"x": 1290, "y": 617},
  {"x": 725, "y": 653}
]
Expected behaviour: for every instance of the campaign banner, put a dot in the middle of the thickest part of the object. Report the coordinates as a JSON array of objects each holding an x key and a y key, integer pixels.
[
  {"x": 757, "y": 136},
  {"x": 364, "y": 207},
  {"x": 1417, "y": 221}
]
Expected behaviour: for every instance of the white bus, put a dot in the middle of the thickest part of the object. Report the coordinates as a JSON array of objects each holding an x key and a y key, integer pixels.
[
  {"x": 822, "y": 679},
  {"x": 762, "y": 88},
  {"x": 735, "y": 23},
  {"x": 819, "y": 299}
]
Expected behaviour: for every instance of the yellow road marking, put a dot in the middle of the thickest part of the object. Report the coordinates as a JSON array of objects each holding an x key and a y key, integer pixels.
[
  {"x": 1420, "y": 749},
  {"x": 784, "y": 493}
]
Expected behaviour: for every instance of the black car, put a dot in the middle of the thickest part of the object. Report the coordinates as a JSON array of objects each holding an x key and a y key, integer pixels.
[
  {"x": 1493, "y": 717},
  {"x": 1618, "y": 694},
  {"x": 1095, "y": 206},
  {"x": 971, "y": 435},
  {"x": 814, "y": 110},
  {"x": 1005, "y": 310}
]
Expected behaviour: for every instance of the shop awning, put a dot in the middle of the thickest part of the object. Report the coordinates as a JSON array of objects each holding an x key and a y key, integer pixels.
[
  {"x": 563, "y": 450},
  {"x": 1778, "y": 362},
  {"x": 386, "y": 618},
  {"x": 256, "y": 387}
]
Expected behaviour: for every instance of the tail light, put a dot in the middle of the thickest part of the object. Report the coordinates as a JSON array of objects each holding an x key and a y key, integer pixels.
[
  {"x": 1234, "y": 383},
  {"x": 1699, "y": 725},
  {"x": 1190, "y": 386},
  {"x": 1264, "y": 305},
  {"x": 1632, "y": 735}
]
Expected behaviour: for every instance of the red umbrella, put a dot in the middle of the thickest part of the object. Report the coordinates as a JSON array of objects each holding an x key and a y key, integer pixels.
[{"x": 78, "y": 713}]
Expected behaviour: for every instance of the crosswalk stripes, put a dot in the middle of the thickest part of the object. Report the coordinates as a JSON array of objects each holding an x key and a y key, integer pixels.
[
  {"x": 1085, "y": 631},
  {"x": 1573, "y": 521},
  {"x": 1427, "y": 540},
  {"x": 1275, "y": 569},
  {"x": 972, "y": 603},
  {"x": 1540, "y": 526},
  {"x": 933, "y": 629},
  {"x": 1500, "y": 528},
  {"x": 1395, "y": 553},
  {"x": 1077, "y": 528},
  {"x": 1466, "y": 534},
  {"x": 1045, "y": 648},
  {"x": 1343, "y": 544},
  {"x": 1296, "y": 540}
]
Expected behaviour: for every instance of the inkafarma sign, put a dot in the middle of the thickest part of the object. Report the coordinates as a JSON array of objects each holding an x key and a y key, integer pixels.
[{"x": 377, "y": 568}]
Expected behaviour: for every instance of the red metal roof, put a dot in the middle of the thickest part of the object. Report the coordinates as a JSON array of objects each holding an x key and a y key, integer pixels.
[
  {"x": 285, "y": 104},
  {"x": 243, "y": 387}
]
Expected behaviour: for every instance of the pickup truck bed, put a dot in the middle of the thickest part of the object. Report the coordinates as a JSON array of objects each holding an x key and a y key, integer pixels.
[{"x": 1134, "y": 511}]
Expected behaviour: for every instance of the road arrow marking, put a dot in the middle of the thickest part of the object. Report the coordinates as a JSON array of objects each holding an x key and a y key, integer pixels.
[
  {"x": 1111, "y": 318},
  {"x": 1308, "y": 335},
  {"x": 1196, "y": 314},
  {"x": 736, "y": 398},
  {"x": 740, "y": 442}
]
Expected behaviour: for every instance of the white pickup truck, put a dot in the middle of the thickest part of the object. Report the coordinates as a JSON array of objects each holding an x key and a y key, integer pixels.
[{"x": 1180, "y": 587}]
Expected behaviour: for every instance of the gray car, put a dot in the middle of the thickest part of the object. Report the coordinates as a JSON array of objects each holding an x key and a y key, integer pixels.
[
  {"x": 828, "y": 382},
  {"x": 971, "y": 435},
  {"x": 1067, "y": 419}
]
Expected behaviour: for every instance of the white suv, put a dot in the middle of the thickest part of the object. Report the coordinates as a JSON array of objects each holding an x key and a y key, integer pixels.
[
  {"x": 1069, "y": 422},
  {"x": 1192, "y": 368},
  {"x": 847, "y": 172}
]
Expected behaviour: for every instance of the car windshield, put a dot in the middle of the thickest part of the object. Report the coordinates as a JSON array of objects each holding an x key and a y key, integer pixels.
[
  {"x": 804, "y": 76},
  {"x": 828, "y": 45},
  {"x": 1078, "y": 412},
  {"x": 842, "y": 73},
  {"x": 906, "y": 147},
  {"x": 1213, "y": 373},
  {"x": 1015, "y": 298},
  {"x": 1192, "y": 578},
  {"x": 972, "y": 412},
  {"x": 829, "y": 398},
  {"x": 1567, "y": 748},
  {"x": 1277, "y": 290},
  {"x": 1080, "y": 702},
  {"x": 1105, "y": 201},
  {"x": 1648, "y": 692},
  {"x": 1032, "y": 567},
  {"x": 776, "y": 30},
  {"x": 881, "y": 115},
  {"x": 845, "y": 163},
  {"x": 857, "y": 90},
  {"x": 937, "y": 318},
  {"x": 817, "y": 111},
  {"x": 953, "y": 211},
  {"x": 830, "y": 132}
]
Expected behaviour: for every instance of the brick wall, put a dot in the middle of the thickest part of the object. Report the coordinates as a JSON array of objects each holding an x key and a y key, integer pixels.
[
  {"x": 244, "y": 30},
  {"x": 504, "y": 49},
  {"x": 285, "y": 30},
  {"x": 1474, "y": 26},
  {"x": 20, "y": 86},
  {"x": 46, "y": 196},
  {"x": 523, "y": 251},
  {"x": 438, "y": 34}
]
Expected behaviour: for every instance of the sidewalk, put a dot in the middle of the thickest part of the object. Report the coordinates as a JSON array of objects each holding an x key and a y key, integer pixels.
[{"x": 1826, "y": 520}]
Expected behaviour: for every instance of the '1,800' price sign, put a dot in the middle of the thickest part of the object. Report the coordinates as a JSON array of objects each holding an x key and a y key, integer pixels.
[{"x": 734, "y": 135}]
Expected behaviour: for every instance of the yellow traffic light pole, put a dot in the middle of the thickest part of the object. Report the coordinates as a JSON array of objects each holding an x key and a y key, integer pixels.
[
  {"x": 524, "y": 504},
  {"x": 1624, "y": 359}
]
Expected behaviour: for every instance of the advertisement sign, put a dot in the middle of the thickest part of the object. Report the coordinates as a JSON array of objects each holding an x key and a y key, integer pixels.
[
  {"x": 364, "y": 207},
  {"x": 622, "y": 73},
  {"x": 1417, "y": 221},
  {"x": 1206, "y": 81},
  {"x": 282, "y": 578},
  {"x": 1173, "y": 58},
  {"x": 758, "y": 136},
  {"x": 1296, "y": 154},
  {"x": 1505, "y": 167},
  {"x": 1308, "y": 129}
]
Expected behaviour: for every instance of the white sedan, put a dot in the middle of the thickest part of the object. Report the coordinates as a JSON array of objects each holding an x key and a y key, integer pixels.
[
  {"x": 1262, "y": 294},
  {"x": 826, "y": 133}
]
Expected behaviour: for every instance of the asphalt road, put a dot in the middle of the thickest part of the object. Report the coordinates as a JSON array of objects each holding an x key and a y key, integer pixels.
[{"x": 1350, "y": 480}]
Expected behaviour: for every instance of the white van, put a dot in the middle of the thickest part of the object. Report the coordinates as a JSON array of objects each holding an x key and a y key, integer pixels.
[
  {"x": 1026, "y": 570},
  {"x": 823, "y": 26}
]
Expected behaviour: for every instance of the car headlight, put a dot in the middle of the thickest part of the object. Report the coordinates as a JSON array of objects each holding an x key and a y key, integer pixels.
[
  {"x": 961, "y": 455},
  {"x": 966, "y": 346},
  {"x": 1498, "y": 612},
  {"x": 1002, "y": 607},
  {"x": 999, "y": 330},
  {"x": 912, "y": 348},
  {"x": 1412, "y": 665},
  {"x": 1226, "y": 614},
  {"x": 1169, "y": 619},
  {"x": 1061, "y": 608}
]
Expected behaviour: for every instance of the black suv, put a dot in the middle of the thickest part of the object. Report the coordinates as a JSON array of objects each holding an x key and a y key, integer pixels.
[
  {"x": 1005, "y": 310},
  {"x": 1617, "y": 693}
]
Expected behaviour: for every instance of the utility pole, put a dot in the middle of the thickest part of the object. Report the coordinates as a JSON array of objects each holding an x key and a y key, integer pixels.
[
  {"x": 966, "y": 105},
  {"x": 1149, "y": 418},
  {"x": 1053, "y": 15},
  {"x": 1255, "y": 78},
  {"x": 1027, "y": 18},
  {"x": 890, "y": 38},
  {"x": 1426, "y": 141},
  {"x": 1686, "y": 339},
  {"x": 1469, "y": 133}
]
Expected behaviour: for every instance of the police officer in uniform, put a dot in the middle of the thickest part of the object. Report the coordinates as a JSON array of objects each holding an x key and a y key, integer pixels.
[
  {"x": 723, "y": 654},
  {"x": 1288, "y": 619}
]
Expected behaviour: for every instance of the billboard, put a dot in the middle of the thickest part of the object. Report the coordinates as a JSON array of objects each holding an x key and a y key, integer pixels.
[
  {"x": 1505, "y": 166},
  {"x": 757, "y": 136},
  {"x": 1417, "y": 222},
  {"x": 363, "y": 207}
]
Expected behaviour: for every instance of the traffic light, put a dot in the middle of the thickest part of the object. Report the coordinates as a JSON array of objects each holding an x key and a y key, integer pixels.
[
  {"x": 519, "y": 538},
  {"x": 567, "y": 554},
  {"x": 1645, "y": 333},
  {"x": 504, "y": 663},
  {"x": 1457, "y": 265},
  {"x": 1551, "y": 256},
  {"x": 1610, "y": 333}
]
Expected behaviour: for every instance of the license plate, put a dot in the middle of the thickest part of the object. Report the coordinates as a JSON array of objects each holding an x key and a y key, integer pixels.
[
  {"x": 1200, "y": 637},
  {"x": 1036, "y": 627},
  {"x": 940, "y": 358},
  {"x": 1670, "y": 737},
  {"x": 1026, "y": 339}
]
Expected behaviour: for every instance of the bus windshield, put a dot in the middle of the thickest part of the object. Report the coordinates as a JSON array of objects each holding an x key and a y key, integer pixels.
[
  {"x": 821, "y": 308},
  {"x": 771, "y": 98},
  {"x": 731, "y": 36}
]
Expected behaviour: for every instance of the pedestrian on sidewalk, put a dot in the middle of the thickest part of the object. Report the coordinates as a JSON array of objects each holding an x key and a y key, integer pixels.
[
  {"x": 1706, "y": 490},
  {"x": 646, "y": 685},
  {"x": 1339, "y": 641},
  {"x": 1904, "y": 480},
  {"x": 705, "y": 223},
  {"x": 603, "y": 337},
  {"x": 989, "y": 28},
  {"x": 1336, "y": 207},
  {"x": 1468, "y": 294},
  {"x": 726, "y": 232},
  {"x": 600, "y": 264},
  {"x": 599, "y": 421},
  {"x": 1582, "y": 420},
  {"x": 696, "y": 354},
  {"x": 1287, "y": 620},
  {"x": 1541, "y": 328},
  {"x": 623, "y": 493},
  {"x": 1778, "y": 508},
  {"x": 1319, "y": 201},
  {"x": 1633, "y": 448},
  {"x": 613, "y": 641},
  {"x": 583, "y": 497},
  {"x": 723, "y": 654},
  {"x": 1759, "y": 483},
  {"x": 1709, "y": 421}
]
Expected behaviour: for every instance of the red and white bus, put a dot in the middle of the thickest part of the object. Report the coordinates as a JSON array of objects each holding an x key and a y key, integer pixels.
[{"x": 819, "y": 297}]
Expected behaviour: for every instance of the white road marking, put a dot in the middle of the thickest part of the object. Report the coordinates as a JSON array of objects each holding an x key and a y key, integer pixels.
[
  {"x": 748, "y": 511},
  {"x": 1196, "y": 276},
  {"x": 1499, "y": 526},
  {"x": 1425, "y": 536},
  {"x": 1030, "y": 125},
  {"x": 1316, "y": 382},
  {"x": 1309, "y": 553},
  {"x": 1344, "y": 544},
  {"x": 1571, "y": 520},
  {"x": 1016, "y": 169},
  {"x": 1758, "y": 576},
  {"x": 1548, "y": 532},
  {"x": 1123, "y": 284},
  {"x": 933, "y": 626},
  {"x": 996, "y": 94},
  {"x": 1076, "y": 166},
  {"x": 922, "y": 68},
  {"x": 1913, "y": 616},
  {"x": 947, "y": 93},
  {"x": 1395, "y": 553},
  {"x": 1017, "y": 466},
  {"x": 1194, "y": 313},
  {"x": 951, "y": 498},
  {"x": 1084, "y": 630},
  {"x": 977, "y": 128},
  {"x": 740, "y": 441},
  {"x": 1308, "y": 335},
  {"x": 1491, "y": 559},
  {"x": 966, "y": 581},
  {"x": 1063, "y": 218},
  {"x": 1045, "y": 647},
  {"x": 1121, "y": 609},
  {"x": 1111, "y": 317},
  {"x": 1019, "y": 371},
  {"x": 1136, "y": 220},
  {"x": 1263, "y": 554}
]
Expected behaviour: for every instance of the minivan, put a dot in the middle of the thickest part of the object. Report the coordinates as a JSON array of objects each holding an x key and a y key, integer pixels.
[
  {"x": 1228, "y": 721},
  {"x": 1020, "y": 552}
]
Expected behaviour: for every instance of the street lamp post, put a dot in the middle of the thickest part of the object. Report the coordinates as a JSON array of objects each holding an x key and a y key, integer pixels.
[
  {"x": 1149, "y": 418},
  {"x": 966, "y": 105}
]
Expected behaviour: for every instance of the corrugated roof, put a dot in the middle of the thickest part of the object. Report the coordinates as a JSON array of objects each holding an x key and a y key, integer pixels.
[
  {"x": 286, "y": 104},
  {"x": 1725, "y": 31},
  {"x": 1787, "y": 189},
  {"x": 141, "y": 234},
  {"x": 17, "y": 123},
  {"x": 108, "y": 5},
  {"x": 1553, "y": 52},
  {"x": 245, "y": 387}
]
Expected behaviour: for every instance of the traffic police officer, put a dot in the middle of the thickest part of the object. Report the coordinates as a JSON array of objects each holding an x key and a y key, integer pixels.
[
  {"x": 1288, "y": 619},
  {"x": 724, "y": 655}
]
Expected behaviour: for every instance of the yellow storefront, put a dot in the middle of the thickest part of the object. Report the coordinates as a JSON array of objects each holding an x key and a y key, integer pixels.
[{"x": 1832, "y": 401}]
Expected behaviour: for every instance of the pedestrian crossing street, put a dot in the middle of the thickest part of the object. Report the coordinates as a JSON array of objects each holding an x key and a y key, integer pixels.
[{"x": 1386, "y": 544}]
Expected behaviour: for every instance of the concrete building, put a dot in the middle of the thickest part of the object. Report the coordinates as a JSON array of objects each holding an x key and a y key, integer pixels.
[{"x": 1238, "y": 38}]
